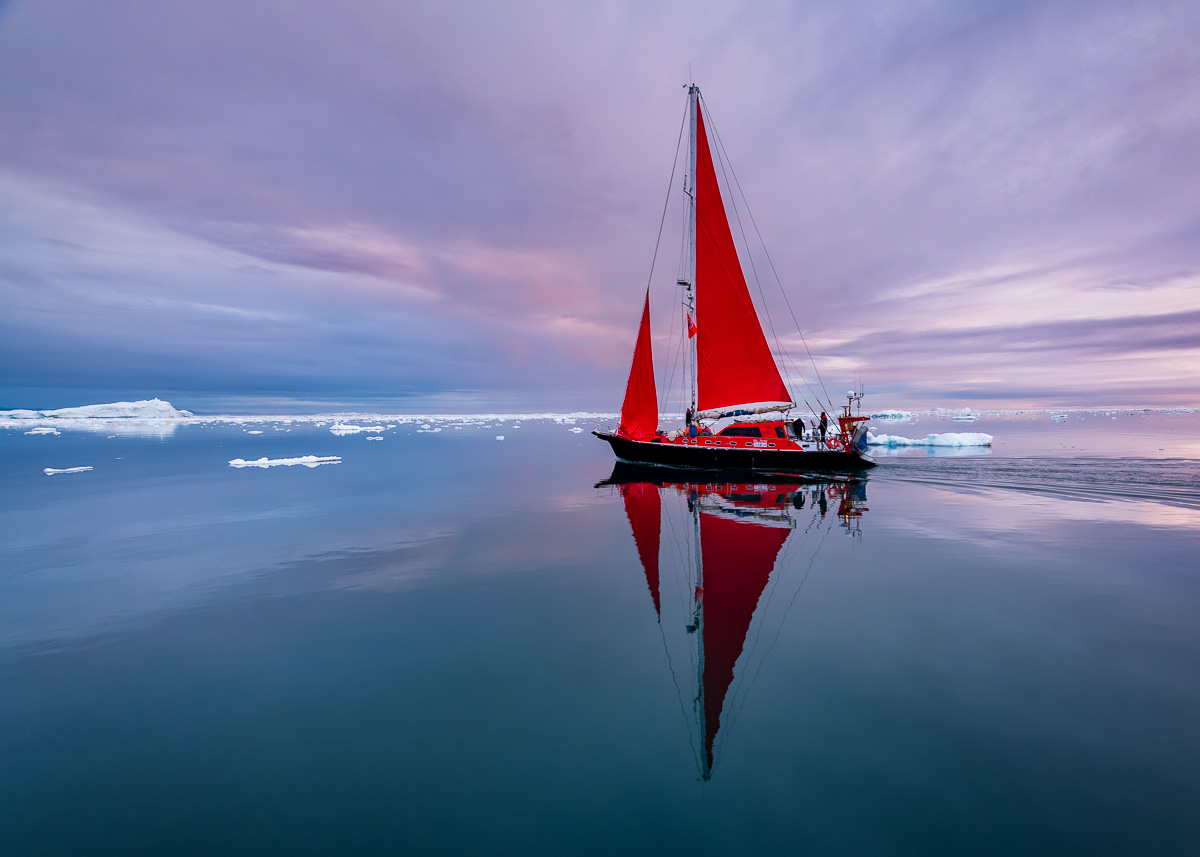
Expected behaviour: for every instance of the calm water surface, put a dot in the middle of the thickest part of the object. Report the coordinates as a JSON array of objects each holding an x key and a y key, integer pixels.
[{"x": 453, "y": 644}]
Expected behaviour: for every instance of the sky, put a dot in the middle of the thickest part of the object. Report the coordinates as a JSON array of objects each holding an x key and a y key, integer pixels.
[{"x": 454, "y": 205}]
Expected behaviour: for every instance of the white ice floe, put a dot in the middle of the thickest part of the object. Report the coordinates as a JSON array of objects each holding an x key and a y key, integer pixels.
[
  {"x": 253, "y": 432},
  {"x": 44, "y": 430},
  {"x": 576, "y": 430},
  {"x": 342, "y": 429},
  {"x": 946, "y": 439},
  {"x": 499, "y": 437},
  {"x": 374, "y": 438},
  {"x": 306, "y": 460},
  {"x": 50, "y": 471}
]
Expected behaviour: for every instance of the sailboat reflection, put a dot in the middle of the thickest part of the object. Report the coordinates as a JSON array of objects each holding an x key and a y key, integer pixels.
[{"x": 736, "y": 535}]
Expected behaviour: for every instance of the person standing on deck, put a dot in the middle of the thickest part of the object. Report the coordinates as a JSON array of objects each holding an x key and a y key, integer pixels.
[{"x": 824, "y": 426}]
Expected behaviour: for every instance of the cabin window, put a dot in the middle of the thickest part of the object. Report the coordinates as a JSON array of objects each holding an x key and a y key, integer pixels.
[
  {"x": 741, "y": 431},
  {"x": 779, "y": 432}
]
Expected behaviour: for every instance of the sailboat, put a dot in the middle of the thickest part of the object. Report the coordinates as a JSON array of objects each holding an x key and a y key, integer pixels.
[
  {"x": 732, "y": 371},
  {"x": 739, "y": 532}
]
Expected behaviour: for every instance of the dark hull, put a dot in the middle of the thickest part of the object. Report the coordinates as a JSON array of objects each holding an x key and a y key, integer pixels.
[{"x": 724, "y": 458}]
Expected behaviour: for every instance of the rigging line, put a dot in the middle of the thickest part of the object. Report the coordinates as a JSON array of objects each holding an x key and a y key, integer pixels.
[
  {"x": 666, "y": 202},
  {"x": 771, "y": 262}
]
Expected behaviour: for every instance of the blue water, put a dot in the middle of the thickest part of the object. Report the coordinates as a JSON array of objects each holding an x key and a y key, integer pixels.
[{"x": 447, "y": 644}]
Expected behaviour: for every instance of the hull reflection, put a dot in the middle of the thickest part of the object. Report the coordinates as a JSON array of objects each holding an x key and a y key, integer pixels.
[{"x": 730, "y": 548}]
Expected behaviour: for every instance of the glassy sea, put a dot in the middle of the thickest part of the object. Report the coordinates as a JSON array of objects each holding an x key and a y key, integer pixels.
[{"x": 447, "y": 643}]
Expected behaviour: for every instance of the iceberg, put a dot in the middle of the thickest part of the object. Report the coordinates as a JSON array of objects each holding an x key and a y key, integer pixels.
[
  {"x": 306, "y": 460},
  {"x": 149, "y": 409},
  {"x": 946, "y": 439},
  {"x": 153, "y": 416}
]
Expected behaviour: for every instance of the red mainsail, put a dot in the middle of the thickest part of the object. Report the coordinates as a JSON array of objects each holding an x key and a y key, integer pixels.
[
  {"x": 738, "y": 559},
  {"x": 643, "y": 506},
  {"x": 735, "y": 362},
  {"x": 639, "y": 411}
]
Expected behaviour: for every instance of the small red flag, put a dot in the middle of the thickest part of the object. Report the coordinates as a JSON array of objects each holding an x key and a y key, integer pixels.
[{"x": 691, "y": 327}]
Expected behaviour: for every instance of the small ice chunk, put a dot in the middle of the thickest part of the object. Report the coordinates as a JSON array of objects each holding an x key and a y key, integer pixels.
[
  {"x": 253, "y": 432},
  {"x": 499, "y": 437},
  {"x": 43, "y": 430},
  {"x": 576, "y": 430},
  {"x": 50, "y": 471},
  {"x": 374, "y": 438},
  {"x": 306, "y": 460}
]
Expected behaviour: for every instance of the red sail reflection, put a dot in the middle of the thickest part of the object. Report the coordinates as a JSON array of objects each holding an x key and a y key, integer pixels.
[
  {"x": 643, "y": 506},
  {"x": 738, "y": 558},
  {"x": 740, "y": 530}
]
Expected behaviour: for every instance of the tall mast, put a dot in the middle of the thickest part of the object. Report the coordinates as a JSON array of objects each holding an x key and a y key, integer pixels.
[{"x": 690, "y": 192}]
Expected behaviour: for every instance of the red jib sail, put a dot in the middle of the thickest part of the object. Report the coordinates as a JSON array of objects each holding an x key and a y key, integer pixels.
[
  {"x": 639, "y": 411},
  {"x": 643, "y": 505},
  {"x": 738, "y": 559},
  {"x": 735, "y": 363}
]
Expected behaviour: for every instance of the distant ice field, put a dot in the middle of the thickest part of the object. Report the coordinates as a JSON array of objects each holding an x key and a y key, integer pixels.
[{"x": 1153, "y": 433}]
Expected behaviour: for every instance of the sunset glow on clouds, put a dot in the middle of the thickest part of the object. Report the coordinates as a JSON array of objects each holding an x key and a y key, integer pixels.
[{"x": 967, "y": 203}]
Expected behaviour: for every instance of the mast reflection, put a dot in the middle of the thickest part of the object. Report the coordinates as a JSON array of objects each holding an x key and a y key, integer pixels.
[{"x": 730, "y": 547}]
